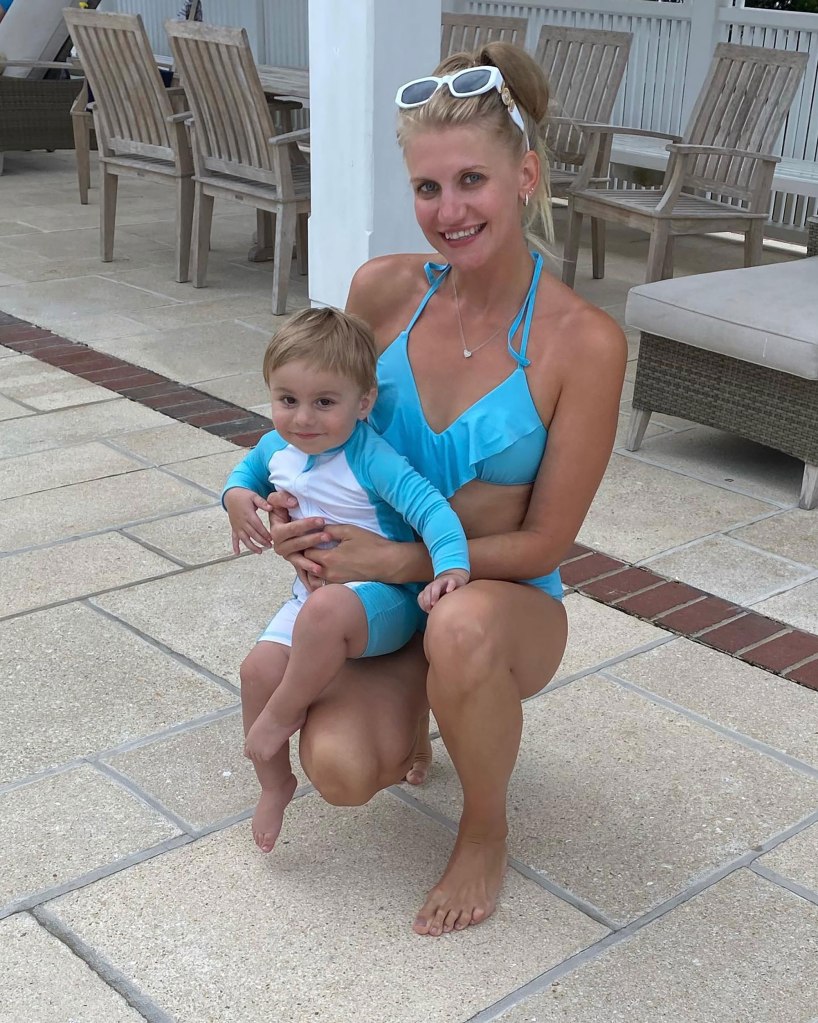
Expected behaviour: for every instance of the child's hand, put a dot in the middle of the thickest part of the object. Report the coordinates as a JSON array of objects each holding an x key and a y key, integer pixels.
[
  {"x": 242, "y": 507},
  {"x": 444, "y": 583}
]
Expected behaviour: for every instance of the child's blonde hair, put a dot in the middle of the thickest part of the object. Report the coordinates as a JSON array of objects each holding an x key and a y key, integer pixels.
[{"x": 327, "y": 339}]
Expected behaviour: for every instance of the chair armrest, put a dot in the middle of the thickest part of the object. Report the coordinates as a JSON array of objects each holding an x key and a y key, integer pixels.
[
  {"x": 301, "y": 135},
  {"x": 182, "y": 118},
  {"x": 686, "y": 150},
  {"x": 42, "y": 65},
  {"x": 175, "y": 90},
  {"x": 619, "y": 129}
]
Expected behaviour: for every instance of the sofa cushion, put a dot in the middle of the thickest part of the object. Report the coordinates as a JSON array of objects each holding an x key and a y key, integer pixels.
[{"x": 762, "y": 314}]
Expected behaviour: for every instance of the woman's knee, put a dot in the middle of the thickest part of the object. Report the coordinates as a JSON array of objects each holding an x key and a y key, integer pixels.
[
  {"x": 342, "y": 772},
  {"x": 463, "y": 629}
]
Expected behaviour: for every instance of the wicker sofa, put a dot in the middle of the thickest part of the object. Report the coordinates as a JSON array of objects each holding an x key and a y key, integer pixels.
[
  {"x": 736, "y": 350},
  {"x": 36, "y": 114}
]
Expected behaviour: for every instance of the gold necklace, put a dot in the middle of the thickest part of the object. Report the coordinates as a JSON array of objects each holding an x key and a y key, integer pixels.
[{"x": 469, "y": 352}]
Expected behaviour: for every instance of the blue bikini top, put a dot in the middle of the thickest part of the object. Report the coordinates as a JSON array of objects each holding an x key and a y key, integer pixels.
[{"x": 500, "y": 439}]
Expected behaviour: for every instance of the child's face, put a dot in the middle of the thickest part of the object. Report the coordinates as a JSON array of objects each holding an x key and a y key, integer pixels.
[{"x": 315, "y": 410}]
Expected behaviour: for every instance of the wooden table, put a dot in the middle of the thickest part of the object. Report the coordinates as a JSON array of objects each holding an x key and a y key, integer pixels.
[{"x": 278, "y": 83}]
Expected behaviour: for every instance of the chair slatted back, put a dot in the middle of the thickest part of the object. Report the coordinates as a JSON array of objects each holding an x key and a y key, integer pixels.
[
  {"x": 467, "y": 32},
  {"x": 742, "y": 105},
  {"x": 129, "y": 95},
  {"x": 585, "y": 68},
  {"x": 232, "y": 121}
]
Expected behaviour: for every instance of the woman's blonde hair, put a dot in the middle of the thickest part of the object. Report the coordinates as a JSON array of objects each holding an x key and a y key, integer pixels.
[
  {"x": 529, "y": 89},
  {"x": 326, "y": 339}
]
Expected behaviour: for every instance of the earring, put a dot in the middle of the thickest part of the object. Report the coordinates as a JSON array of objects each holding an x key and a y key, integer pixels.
[{"x": 525, "y": 198}]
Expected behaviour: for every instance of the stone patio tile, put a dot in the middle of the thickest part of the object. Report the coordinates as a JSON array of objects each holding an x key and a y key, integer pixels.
[
  {"x": 192, "y": 353},
  {"x": 80, "y": 243},
  {"x": 797, "y": 859},
  {"x": 331, "y": 905},
  {"x": 67, "y": 824},
  {"x": 245, "y": 389},
  {"x": 83, "y": 684},
  {"x": 58, "y": 467},
  {"x": 75, "y": 569},
  {"x": 96, "y": 504},
  {"x": 234, "y": 601},
  {"x": 798, "y": 607},
  {"x": 728, "y": 460},
  {"x": 76, "y": 425},
  {"x": 8, "y": 353},
  {"x": 641, "y": 510},
  {"x": 791, "y": 534},
  {"x": 96, "y": 326},
  {"x": 33, "y": 960},
  {"x": 16, "y": 227},
  {"x": 653, "y": 430},
  {"x": 625, "y": 803},
  {"x": 200, "y": 774},
  {"x": 230, "y": 279},
  {"x": 57, "y": 299},
  {"x": 731, "y": 693},
  {"x": 210, "y": 472},
  {"x": 46, "y": 387},
  {"x": 731, "y": 570},
  {"x": 174, "y": 443},
  {"x": 597, "y": 633},
  {"x": 744, "y": 950},
  {"x": 200, "y": 310},
  {"x": 194, "y": 538},
  {"x": 11, "y": 409}
]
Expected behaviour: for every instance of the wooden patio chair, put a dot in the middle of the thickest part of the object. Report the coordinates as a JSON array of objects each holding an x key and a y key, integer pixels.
[
  {"x": 236, "y": 152},
  {"x": 136, "y": 127},
  {"x": 82, "y": 121},
  {"x": 733, "y": 129},
  {"x": 459, "y": 32},
  {"x": 585, "y": 68}
]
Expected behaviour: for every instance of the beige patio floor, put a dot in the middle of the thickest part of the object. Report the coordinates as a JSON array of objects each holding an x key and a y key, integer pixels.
[{"x": 664, "y": 810}]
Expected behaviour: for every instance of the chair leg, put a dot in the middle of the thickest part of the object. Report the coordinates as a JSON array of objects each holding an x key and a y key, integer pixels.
[
  {"x": 184, "y": 225},
  {"x": 200, "y": 242},
  {"x": 638, "y": 423},
  {"x": 657, "y": 251},
  {"x": 667, "y": 263},
  {"x": 107, "y": 214},
  {"x": 571, "y": 250},
  {"x": 809, "y": 487},
  {"x": 301, "y": 244},
  {"x": 598, "y": 247},
  {"x": 754, "y": 243},
  {"x": 262, "y": 248},
  {"x": 82, "y": 146},
  {"x": 285, "y": 239}
]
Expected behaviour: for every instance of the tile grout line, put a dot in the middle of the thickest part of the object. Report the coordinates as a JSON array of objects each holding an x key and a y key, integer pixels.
[
  {"x": 144, "y": 797},
  {"x": 109, "y": 974},
  {"x": 809, "y": 894},
  {"x": 748, "y": 741}
]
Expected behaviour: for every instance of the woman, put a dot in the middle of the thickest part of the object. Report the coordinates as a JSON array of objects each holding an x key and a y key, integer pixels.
[{"x": 484, "y": 357}]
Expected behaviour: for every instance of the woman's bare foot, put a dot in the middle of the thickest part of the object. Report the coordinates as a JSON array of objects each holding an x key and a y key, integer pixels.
[
  {"x": 467, "y": 892},
  {"x": 269, "y": 815},
  {"x": 422, "y": 758},
  {"x": 267, "y": 736}
]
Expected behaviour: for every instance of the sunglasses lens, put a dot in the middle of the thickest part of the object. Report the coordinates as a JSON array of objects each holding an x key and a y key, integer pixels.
[
  {"x": 469, "y": 82},
  {"x": 418, "y": 92}
]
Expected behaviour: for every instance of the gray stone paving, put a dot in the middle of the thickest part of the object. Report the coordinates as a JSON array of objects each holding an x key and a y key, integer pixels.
[{"x": 664, "y": 810}]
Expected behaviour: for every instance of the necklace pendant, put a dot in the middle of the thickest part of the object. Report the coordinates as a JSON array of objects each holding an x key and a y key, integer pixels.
[{"x": 466, "y": 353}]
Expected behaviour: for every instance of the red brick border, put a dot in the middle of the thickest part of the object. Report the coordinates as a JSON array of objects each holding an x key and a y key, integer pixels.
[{"x": 677, "y": 607}]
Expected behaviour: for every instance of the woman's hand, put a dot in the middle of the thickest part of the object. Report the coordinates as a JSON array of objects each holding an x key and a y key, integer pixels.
[
  {"x": 242, "y": 507},
  {"x": 291, "y": 537},
  {"x": 359, "y": 555}
]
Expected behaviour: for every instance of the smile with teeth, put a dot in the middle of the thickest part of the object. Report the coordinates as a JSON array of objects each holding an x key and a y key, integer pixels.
[{"x": 466, "y": 232}]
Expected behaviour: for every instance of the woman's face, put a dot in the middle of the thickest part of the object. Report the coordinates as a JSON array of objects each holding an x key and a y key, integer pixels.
[{"x": 467, "y": 186}]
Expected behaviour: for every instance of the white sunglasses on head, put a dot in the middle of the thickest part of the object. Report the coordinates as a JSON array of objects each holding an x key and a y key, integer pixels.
[{"x": 472, "y": 81}]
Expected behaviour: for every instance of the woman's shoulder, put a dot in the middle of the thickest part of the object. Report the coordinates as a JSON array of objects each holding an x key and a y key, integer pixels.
[
  {"x": 384, "y": 288},
  {"x": 592, "y": 332}
]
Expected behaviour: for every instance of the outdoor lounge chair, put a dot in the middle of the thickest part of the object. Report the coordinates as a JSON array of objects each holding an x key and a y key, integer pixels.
[
  {"x": 585, "y": 68},
  {"x": 236, "y": 151},
  {"x": 137, "y": 130},
  {"x": 736, "y": 350},
  {"x": 719, "y": 180}
]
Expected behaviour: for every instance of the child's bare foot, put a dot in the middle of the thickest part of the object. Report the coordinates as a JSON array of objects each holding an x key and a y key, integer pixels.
[
  {"x": 267, "y": 736},
  {"x": 269, "y": 815},
  {"x": 422, "y": 757}
]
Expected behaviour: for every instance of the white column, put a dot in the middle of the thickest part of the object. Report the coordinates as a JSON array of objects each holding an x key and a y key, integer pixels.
[
  {"x": 705, "y": 32},
  {"x": 360, "y": 52}
]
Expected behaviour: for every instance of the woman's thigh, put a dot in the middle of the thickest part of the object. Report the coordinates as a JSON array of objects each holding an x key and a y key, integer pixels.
[
  {"x": 508, "y": 626},
  {"x": 360, "y": 734}
]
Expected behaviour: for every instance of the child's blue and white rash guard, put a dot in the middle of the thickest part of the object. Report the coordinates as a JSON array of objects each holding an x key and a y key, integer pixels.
[{"x": 365, "y": 482}]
